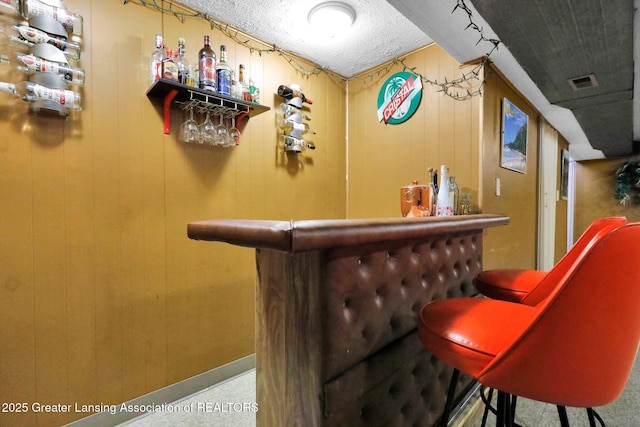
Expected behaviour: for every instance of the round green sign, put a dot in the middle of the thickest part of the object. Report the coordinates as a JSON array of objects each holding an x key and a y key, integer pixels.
[{"x": 399, "y": 97}]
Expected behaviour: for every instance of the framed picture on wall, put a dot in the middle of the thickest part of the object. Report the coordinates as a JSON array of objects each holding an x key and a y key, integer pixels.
[
  {"x": 564, "y": 176},
  {"x": 513, "y": 155}
]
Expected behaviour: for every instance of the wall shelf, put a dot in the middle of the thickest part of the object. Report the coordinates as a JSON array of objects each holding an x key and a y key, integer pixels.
[{"x": 202, "y": 101}]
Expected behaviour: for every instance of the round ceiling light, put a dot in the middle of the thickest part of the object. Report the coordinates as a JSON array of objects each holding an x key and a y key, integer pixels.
[{"x": 332, "y": 17}]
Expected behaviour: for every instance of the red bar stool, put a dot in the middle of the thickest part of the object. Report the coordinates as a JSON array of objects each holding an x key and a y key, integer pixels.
[
  {"x": 555, "y": 351},
  {"x": 526, "y": 286}
]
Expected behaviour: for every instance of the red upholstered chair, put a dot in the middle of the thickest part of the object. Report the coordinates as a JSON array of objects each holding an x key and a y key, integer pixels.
[
  {"x": 527, "y": 286},
  {"x": 574, "y": 348}
]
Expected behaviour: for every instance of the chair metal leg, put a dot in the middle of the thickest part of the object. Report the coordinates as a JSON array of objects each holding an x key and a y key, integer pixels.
[
  {"x": 501, "y": 409},
  {"x": 592, "y": 419},
  {"x": 451, "y": 394},
  {"x": 487, "y": 406},
  {"x": 514, "y": 400},
  {"x": 509, "y": 415},
  {"x": 562, "y": 413},
  {"x": 593, "y": 416}
]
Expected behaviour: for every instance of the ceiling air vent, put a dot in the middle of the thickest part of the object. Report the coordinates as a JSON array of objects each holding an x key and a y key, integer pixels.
[{"x": 583, "y": 82}]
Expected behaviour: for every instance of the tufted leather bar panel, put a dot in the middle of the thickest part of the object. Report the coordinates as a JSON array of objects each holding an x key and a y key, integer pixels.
[
  {"x": 402, "y": 385},
  {"x": 374, "y": 292},
  {"x": 337, "y": 303}
]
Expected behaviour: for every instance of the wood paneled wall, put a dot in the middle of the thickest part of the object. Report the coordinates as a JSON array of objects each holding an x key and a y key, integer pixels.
[
  {"x": 595, "y": 190},
  {"x": 103, "y": 297},
  {"x": 512, "y": 246},
  {"x": 383, "y": 158}
]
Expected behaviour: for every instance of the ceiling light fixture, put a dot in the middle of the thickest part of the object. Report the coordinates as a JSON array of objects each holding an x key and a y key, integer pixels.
[{"x": 332, "y": 17}]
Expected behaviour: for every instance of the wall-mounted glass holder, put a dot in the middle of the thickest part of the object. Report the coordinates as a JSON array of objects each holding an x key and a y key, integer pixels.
[{"x": 202, "y": 101}]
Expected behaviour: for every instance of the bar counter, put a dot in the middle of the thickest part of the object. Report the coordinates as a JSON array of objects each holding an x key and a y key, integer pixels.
[{"x": 336, "y": 307}]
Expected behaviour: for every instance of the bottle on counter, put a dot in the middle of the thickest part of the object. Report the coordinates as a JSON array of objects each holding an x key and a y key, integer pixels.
[
  {"x": 207, "y": 67},
  {"x": 31, "y": 92},
  {"x": 443, "y": 202},
  {"x": 29, "y": 36},
  {"x": 287, "y": 93},
  {"x": 31, "y": 64},
  {"x": 435, "y": 182},
  {"x": 223, "y": 73},
  {"x": 72, "y": 22},
  {"x": 454, "y": 194}
]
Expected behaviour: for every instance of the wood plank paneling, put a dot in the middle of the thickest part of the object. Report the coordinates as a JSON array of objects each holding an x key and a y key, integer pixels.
[
  {"x": 384, "y": 158},
  {"x": 513, "y": 246},
  {"x": 103, "y": 295}
]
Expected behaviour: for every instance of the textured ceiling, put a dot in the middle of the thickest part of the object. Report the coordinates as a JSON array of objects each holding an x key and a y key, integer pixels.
[
  {"x": 379, "y": 33},
  {"x": 557, "y": 40},
  {"x": 547, "y": 42}
]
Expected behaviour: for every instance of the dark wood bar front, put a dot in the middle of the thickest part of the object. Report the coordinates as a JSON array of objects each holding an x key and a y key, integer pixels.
[{"x": 336, "y": 306}]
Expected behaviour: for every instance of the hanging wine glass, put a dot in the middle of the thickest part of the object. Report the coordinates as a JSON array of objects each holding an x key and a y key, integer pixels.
[
  {"x": 234, "y": 134},
  {"x": 208, "y": 131},
  {"x": 189, "y": 131},
  {"x": 221, "y": 133}
]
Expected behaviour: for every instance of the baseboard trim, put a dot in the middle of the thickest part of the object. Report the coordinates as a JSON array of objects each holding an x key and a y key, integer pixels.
[{"x": 171, "y": 393}]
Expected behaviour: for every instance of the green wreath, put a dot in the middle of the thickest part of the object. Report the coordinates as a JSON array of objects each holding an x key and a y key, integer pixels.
[{"x": 628, "y": 182}]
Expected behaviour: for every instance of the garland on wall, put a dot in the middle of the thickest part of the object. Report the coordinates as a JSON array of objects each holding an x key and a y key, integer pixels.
[
  {"x": 468, "y": 85},
  {"x": 628, "y": 182}
]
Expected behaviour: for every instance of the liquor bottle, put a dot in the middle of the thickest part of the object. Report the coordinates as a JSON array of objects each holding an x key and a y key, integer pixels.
[
  {"x": 288, "y": 125},
  {"x": 29, "y": 36},
  {"x": 289, "y": 143},
  {"x": 435, "y": 182},
  {"x": 454, "y": 194},
  {"x": 72, "y": 22},
  {"x": 288, "y": 93},
  {"x": 31, "y": 92},
  {"x": 207, "y": 67},
  {"x": 254, "y": 91},
  {"x": 236, "y": 89},
  {"x": 183, "y": 65},
  {"x": 4, "y": 59},
  {"x": 31, "y": 64},
  {"x": 169, "y": 67},
  {"x": 285, "y": 110},
  {"x": 223, "y": 72},
  {"x": 443, "y": 203},
  {"x": 246, "y": 95},
  {"x": 155, "y": 64},
  {"x": 432, "y": 187}
]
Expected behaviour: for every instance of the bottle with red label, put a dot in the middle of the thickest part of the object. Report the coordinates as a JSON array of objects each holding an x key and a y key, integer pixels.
[
  {"x": 72, "y": 22},
  {"x": 169, "y": 67},
  {"x": 29, "y": 36},
  {"x": 32, "y": 92},
  {"x": 155, "y": 64},
  {"x": 207, "y": 67},
  {"x": 31, "y": 64}
]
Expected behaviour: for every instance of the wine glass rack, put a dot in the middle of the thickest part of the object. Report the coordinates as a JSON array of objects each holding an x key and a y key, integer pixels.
[{"x": 201, "y": 101}]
